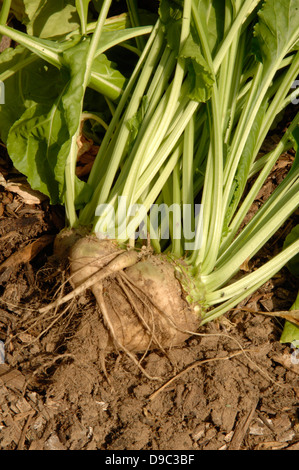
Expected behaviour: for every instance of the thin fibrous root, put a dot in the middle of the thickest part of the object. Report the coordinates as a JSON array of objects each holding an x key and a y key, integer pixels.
[
  {"x": 147, "y": 327},
  {"x": 124, "y": 260},
  {"x": 192, "y": 366},
  {"x": 52, "y": 362},
  {"x": 98, "y": 293},
  {"x": 122, "y": 279}
]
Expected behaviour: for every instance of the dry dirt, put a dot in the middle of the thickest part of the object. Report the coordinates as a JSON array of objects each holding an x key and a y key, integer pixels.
[{"x": 233, "y": 386}]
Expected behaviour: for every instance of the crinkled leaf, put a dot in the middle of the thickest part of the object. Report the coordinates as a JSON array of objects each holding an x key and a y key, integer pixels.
[
  {"x": 277, "y": 30},
  {"x": 200, "y": 77},
  {"x": 51, "y": 18},
  {"x": 170, "y": 12},
  {"x": 212, "y": 14}
]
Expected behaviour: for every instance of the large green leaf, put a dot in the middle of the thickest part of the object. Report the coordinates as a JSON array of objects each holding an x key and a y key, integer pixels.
[
  {"x": 105, "y": 77},
  {"x": 39, "y": 142},
  {"x": 48, "y": 19},
  {"x": 28, "y": 80},
  {"x": 34, "y": 143}
]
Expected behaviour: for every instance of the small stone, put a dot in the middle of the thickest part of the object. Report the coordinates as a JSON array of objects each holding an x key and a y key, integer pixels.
[{"x": 53, "y": 443}]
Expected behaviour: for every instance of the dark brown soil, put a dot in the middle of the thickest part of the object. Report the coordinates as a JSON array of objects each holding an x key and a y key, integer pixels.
[{"x": 233, "y": 386}]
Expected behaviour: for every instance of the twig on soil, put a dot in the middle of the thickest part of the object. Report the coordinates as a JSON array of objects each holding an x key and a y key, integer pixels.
[
  {"x": 27, "y": 253},
  {"x": 290, "y": 315},
  {"x": 20, "y": 445},
  {"x": 190, "y": 367},
  {"x": 266, "y": 422},
  {"x": 242, "y": 428}
]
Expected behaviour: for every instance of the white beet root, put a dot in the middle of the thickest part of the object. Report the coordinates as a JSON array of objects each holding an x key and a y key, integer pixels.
[{"x": 142, "y": 302}]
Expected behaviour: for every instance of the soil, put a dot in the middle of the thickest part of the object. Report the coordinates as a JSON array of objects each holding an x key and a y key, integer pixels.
[{"x": 231, "y": 386}]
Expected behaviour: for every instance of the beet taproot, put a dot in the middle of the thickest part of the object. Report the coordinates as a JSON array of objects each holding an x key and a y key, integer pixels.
[{"x": 142, "y": 302}]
